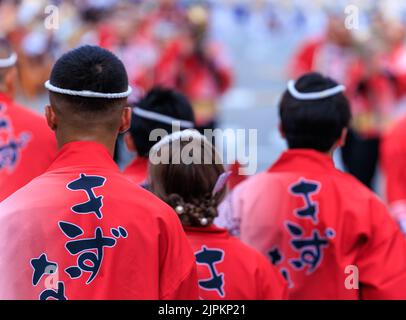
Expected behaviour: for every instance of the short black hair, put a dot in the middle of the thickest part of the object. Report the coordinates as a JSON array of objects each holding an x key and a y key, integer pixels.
[
  {"x": 314, "y": 124},
  {"x": 163, "y": 101},
  {"x": 89, "y": 68}
]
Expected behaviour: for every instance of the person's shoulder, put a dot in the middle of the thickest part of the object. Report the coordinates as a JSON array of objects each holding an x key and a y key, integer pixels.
[
  {"x": 256, "y": 184},
  {"x": 255, "y": 262},
  {"x": 138, "y": 197},
  {"x": 21, "y": 198},
  {"x": 251, "y": 255},
  {"x": 129, "y": 198},
  {"x": 26, "y": 113},
  {"x": 30, "y": 120},
  {"x": 252, "y": 181},
  {"x": 352, "y": 186}
]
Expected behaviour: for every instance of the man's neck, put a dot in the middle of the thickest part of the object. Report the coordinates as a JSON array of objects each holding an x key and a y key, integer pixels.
[{"x": 110, "y": 144}]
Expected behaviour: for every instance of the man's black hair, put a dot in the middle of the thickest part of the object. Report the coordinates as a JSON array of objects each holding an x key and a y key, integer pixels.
[
  {"x": 314, "y": 124},
  {"x": 89, "y": 68},
  {"x": 163, "y": 101}
]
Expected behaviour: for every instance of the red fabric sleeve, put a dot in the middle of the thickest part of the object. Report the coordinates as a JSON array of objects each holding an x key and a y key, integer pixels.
[{"x": 382, "y": 261}]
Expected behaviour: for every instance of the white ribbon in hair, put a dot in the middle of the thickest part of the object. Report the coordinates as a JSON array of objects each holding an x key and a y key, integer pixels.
[
  {"x": 161, "y": 118},
  {"x": 8, "y": 62},
  {"x": 314, "y": 95},
  {"x": 87, "y": 93},
  {"x": 178, "y": 135}
]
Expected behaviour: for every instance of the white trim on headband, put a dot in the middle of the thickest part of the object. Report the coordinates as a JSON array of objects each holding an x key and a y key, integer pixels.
[
  {"x": 313, "y": 95},
  {"x": 161, "y": 118},
  {"x": 88, "y": 94},
  {"x": 8, "y": 62},
  {"x": 178, "y": 135}
]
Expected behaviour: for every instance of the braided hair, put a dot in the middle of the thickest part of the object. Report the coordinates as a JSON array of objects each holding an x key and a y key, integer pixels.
[{"x": 188, "y": 186}]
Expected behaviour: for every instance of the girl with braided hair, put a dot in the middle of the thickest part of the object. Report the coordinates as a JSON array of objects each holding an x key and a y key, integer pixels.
[{"x": 186, "y": 172}]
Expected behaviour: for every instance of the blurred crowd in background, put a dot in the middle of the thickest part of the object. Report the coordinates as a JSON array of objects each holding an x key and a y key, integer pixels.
[{"x": 231, "y": 58}]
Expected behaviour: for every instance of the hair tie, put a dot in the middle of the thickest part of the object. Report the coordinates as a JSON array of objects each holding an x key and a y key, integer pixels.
[{"x": 221, "y": 182}]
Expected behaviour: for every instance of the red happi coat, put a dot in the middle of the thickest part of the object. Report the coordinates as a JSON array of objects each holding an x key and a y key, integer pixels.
[
  {"x": 137, "y": 170},
  {"x": 84, "y": 231},
  {"x": 230, "y": 270},
  {"x": 27, "y": 146},
  {"x": 393, "y": 160},
  {"x": 321, "y": 228}
]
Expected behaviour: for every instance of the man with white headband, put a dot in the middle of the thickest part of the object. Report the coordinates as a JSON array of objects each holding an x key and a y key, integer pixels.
[
  {"x": 161, "y": 111},
  {"x": 82, "y": 230},
  {"x": 27, "y": 145},
  {"x": 329, "y": 235}
]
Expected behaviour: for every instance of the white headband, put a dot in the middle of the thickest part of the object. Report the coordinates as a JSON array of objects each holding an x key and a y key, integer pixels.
[
  {"x": 161, "y": 118},
  {"x": 314, "y": 95},
  {"x": 8, "y": 62},
  {"x": 88, "y": 94},
  {"x": 178, "y": 135}
]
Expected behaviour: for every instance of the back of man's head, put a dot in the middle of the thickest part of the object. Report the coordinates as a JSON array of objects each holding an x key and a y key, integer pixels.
[
  {"x": 88, "y": 69},
  {"x": 159, "y": 109},
  {"x": 314, "y": 123}
]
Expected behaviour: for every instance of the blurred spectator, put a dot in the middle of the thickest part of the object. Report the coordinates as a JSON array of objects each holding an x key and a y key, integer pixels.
[
  {"x": 197, "y": 67},
  {"x": 27, "y": 145},
  {"x": 374, "y": 85}
]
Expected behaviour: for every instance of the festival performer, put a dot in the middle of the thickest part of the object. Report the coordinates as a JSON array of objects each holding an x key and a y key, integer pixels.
[
  {"x": 82, "y": 230},
  {"x": 330, "y": 236},
  {"x": 161, "y": 109},
  {"x": 365, "y": 67},
  {"x": 197, "y": 67},
  {"x": 27, "y": 145},
  {"x": 227, "y": 268}
]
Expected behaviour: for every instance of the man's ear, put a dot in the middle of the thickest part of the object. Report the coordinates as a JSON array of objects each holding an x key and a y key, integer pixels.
[
  {"x": 51, "y": 118},
  {"x": 125, "y": 119},
  {"x": 129, "y": 142},
  {"x": 343, "y": 138},
  {"x": 281, "y": 130}
]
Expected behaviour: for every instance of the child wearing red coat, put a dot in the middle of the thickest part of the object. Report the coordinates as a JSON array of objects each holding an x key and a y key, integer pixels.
[{"x": 227, "y": 268}]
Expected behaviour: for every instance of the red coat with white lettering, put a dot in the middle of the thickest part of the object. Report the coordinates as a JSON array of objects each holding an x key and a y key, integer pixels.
[
  {"x": 230, "y": 270},
  {"x": 27, "y": 146},
  {"x": 82, "y": 230},
  {"x": 327, "y": 233}
]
